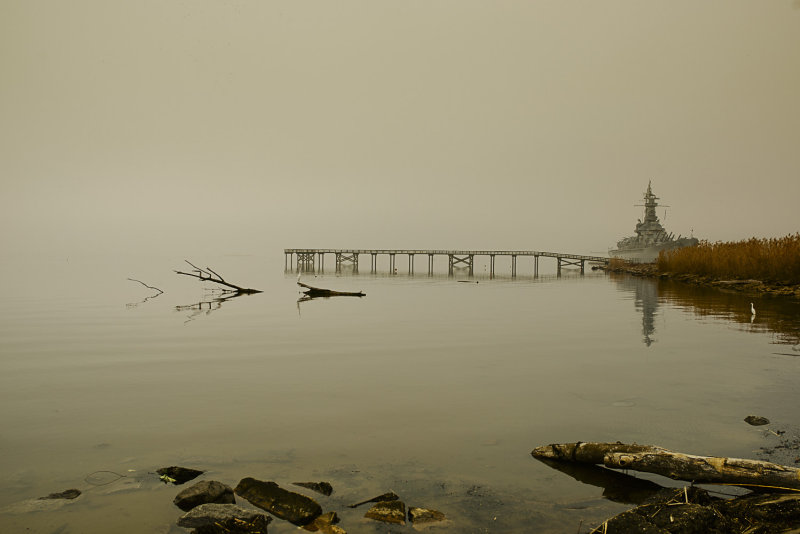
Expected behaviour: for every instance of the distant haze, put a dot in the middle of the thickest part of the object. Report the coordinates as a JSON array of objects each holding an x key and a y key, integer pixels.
[{"x": 249, "y": 126}]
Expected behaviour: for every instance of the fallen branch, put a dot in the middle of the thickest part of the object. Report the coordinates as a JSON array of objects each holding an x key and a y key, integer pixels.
[
  {"x": 755, "y": 474},
  {"x": 320, "y": 292},
  {"x": 208, "y": 275}
]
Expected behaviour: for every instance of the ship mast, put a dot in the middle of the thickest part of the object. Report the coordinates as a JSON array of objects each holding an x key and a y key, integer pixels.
[{"x": 650, "y": 205}]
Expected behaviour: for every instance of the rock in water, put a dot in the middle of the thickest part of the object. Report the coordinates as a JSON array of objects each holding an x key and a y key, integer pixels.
[
  {"x": 210, "y": 514},
  {"x": 293, "y": 507},
  {"x": 207, "y": 491},
  {"x": 423, "y": 515},
  {"x": 179, "y": 475},
  {"x": 325, "y": 524},
  {"x": 388, "y": 512},
  {"x": 66, "y": 494},
  {"x": 320, "y": 487},
  {"x": 756, "y": 420}
]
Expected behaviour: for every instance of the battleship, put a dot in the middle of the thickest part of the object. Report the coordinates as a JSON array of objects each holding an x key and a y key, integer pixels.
[{"x": 651, "y": 238}]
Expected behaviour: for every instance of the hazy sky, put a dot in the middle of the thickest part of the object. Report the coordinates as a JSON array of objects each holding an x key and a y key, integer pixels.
[{"x": 205, "y": 126}]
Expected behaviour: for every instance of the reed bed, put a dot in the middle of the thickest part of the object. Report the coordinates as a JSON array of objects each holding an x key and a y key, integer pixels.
[{"x": 775, "y": 259}]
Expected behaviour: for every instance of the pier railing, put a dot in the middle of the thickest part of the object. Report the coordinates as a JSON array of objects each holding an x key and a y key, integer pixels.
[{"x": 313, "y": 258}]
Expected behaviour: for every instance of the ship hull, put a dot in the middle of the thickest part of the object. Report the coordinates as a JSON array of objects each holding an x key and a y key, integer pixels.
[{"x": 650, "y": 254}]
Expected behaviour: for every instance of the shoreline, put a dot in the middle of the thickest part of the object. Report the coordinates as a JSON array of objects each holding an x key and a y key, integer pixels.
[{"x": 756, "y": 287}]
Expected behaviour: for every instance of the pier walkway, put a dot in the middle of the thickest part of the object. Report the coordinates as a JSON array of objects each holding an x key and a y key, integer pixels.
[{"x": 310, "y": 259}]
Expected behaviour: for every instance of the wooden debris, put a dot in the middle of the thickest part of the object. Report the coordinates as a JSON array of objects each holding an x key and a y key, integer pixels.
[
  {"x": 752, "y": 474},
  {"x": 391, "y": 496},
  {"x": 312, "y": 291}
]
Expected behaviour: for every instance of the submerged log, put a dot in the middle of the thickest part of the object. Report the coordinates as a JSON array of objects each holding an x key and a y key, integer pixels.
[
  {"x": 312, "y": 291},
  {"x": 753, "y": 474}
]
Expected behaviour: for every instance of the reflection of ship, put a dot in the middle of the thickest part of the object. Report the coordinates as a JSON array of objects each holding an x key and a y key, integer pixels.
[
  {"x": 650, "y": 238},
  {"x": 645, "y": 299}
]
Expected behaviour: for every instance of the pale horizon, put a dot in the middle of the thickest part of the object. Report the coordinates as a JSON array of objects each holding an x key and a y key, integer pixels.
[{"x": 244, "y": 127}]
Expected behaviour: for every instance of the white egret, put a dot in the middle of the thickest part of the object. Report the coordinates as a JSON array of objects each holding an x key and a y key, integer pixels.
[{"x": 752, "y": 309}]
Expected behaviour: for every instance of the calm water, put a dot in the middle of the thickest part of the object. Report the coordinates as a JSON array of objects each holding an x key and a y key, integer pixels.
[{"x": 432, "y": 388}]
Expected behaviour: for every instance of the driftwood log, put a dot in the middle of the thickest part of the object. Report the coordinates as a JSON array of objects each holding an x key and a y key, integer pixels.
[
  {"x": 208, "y": 275},
  {"x": 752, "y": 474},
  {"x": 313, "y": 292}
]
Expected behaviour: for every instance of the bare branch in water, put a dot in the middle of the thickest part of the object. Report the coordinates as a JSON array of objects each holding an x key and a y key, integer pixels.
[
  {"x": 209, "y": 275},
  {"x": 145, "y": 285}
]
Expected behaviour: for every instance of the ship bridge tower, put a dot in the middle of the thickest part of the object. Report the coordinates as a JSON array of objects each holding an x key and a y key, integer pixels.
[{"x": 650, "y": 228}]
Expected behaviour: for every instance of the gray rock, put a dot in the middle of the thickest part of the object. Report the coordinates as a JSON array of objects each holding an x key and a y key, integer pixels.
[
  {"x": 388, "y": 512},
  {"x": 207, "y": 491},
  {"x": 293, "y": 507},
  {"x": 210, "y": 514}
]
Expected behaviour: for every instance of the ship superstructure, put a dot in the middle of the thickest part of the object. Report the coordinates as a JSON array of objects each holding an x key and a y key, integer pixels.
[{"x": 651, "y": 238}]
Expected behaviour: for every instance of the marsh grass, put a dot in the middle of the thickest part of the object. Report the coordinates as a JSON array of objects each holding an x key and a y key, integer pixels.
[
  {"x": 617, "y": 263},
  {"x": 776, "y": 259}
]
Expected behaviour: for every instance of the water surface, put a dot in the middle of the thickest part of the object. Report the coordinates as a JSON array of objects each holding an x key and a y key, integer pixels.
[{"x": 428, "y": 386}]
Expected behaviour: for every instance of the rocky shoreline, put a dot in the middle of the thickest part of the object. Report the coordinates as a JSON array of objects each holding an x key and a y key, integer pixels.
[
  {"x": 756, "y": 287},
  {"x": 211, "y": 506}
]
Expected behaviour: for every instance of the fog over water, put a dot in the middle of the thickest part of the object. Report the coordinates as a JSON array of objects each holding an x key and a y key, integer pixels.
[
  {"x": 237, "y": 127},
  {"x": 134, "y": 135}
]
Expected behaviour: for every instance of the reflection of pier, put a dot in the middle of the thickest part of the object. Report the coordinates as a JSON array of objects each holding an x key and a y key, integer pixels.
[{"x": 313, "y": 259}]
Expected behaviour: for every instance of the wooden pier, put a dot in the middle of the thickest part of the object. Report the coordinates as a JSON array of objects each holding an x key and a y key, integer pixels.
[{"x": 313, "y": 259}]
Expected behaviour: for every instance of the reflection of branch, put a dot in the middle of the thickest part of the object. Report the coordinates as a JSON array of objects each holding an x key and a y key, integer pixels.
[
  {"x": 208, "y": 275},
  {"x": 134, "y": 304},
  {"x": 208, "y": 305}
]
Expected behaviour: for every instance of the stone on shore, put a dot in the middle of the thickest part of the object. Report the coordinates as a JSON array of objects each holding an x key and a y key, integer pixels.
[
  {"x": 694, "y": 511},
  {"x": 388, "y": 512},
  {"x": 179, "y": 475},
  {"x": 207, "y": 491},
  {"x": 293, "y": 507},
  {"x": 211, "y": 513}
]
